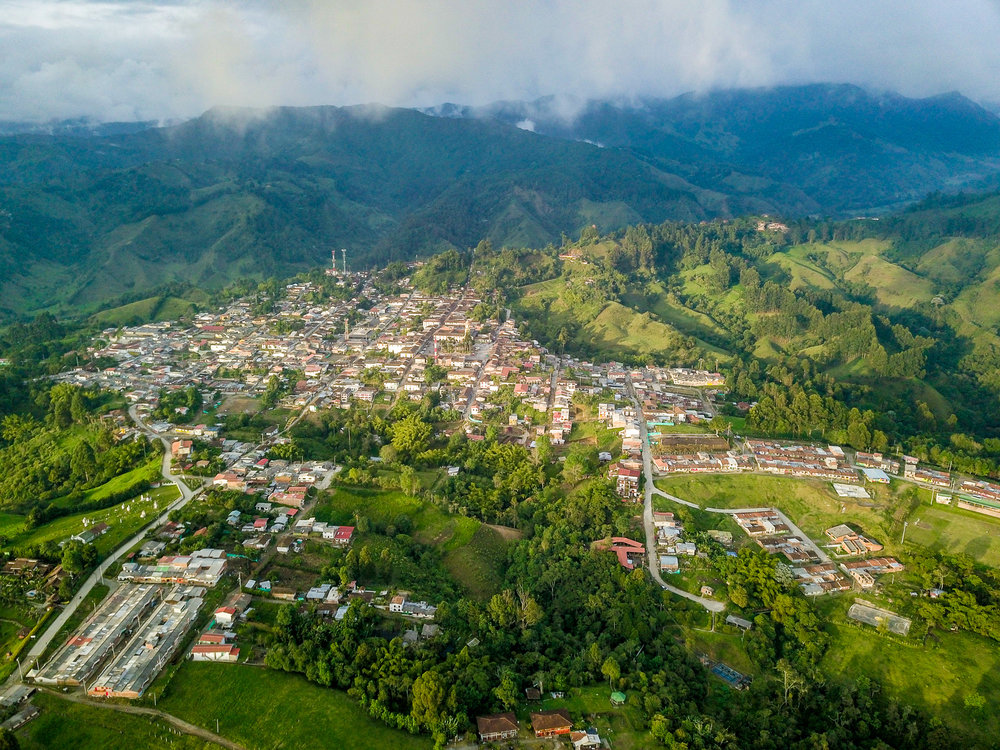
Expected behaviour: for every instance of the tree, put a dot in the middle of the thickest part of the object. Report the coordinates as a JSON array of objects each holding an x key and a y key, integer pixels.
[
  {"x": 428, "y": 696},
  {"x": 72, "y": 558},
  {"x": 83, "y": 462},
  {"x": 411, "y": 435},
  {"x": 611, "y": 670},
  {"x": 506, "y": 692},
  {"x": 8, "y": 740}
]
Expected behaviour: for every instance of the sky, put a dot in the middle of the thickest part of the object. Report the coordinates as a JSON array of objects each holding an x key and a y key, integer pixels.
[{"x": 115, "y": 60}]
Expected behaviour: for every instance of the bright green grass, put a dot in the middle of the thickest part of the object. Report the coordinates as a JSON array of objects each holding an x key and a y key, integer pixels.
[
  {"x": 936, "y": 677},
  {"x": 595, "y": 433},
  {"x": 431, "y": 525},
  {"x": 123, "y": 523},
  {"x": 262, "y": 708},
  {"x": 148, "y": 471},
  {"x": 11, "y": 524},
  {"x": 478, "y": 566},
  {"x": 953, "y": 530},
  {"x": 63, "y": 724}
]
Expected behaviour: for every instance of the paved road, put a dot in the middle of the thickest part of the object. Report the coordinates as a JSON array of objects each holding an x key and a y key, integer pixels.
[
  {"x": 42, "y": 642},
  {"x": 657, "y": 491},
  {"x": 652, "y": 556},
  {"x": 127, "y": 708},
  {"x": 427, "y": 338}
]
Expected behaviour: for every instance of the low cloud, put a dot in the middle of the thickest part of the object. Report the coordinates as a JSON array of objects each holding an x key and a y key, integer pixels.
[{"x": 152, "y": 60}]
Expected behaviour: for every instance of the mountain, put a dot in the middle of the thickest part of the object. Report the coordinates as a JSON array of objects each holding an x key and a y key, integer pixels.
[
  {"x": 848, "y": 150},
  {"x": 90, "y": 216}
]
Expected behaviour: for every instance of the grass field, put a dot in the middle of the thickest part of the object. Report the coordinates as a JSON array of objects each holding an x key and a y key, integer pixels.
[
  {"x": 936, "y": 677},
  {"x": 724, "y": 647},
  {"x": 261, "y": 708},
  {"x": 952, "y": 530},
  {"x": 478, "y": 565},
  {"x": 431, "y": 525},
  {"x": 124, "y": 520},
  {"x": 63, "y": 723}
]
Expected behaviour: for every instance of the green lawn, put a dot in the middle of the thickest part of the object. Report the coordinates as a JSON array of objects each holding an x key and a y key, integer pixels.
[
  {"x": 954, "y": 531},
  {"x": 262, "y": 708},
  {"x": 721, "y": 646},
  {"x": 124, "y": 520},
  {"x": 11, "y": 524},
  {"x": 63, "y": 723},
  {"x": 596, "y": 434},
  {"x": 431, "y": 525},
  {"x": 936, "y": 677}
]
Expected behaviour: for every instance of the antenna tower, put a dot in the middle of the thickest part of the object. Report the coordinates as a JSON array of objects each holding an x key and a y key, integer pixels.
[{"x": 343, "y": 254}]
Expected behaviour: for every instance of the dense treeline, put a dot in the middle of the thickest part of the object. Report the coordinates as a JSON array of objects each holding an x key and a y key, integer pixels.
[{"x": 72, "y": 450}]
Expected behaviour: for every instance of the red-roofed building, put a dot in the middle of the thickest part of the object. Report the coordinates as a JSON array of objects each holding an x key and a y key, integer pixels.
[{"x": 343, "y": 535}]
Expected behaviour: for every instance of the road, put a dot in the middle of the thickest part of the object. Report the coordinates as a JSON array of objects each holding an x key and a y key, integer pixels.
[
  {"x": 479, "y": 374},
  {"x": 427, "y": 338},
  {"x": 652, "y": 556},
  {"x": 42, "y": 642},
  {"x": 127, "y": 708},
  {"x": 796, "y": 531}
]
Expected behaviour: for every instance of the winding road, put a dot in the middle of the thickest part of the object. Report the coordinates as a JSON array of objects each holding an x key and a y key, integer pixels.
[
  {"x": 647, "y": 516},
  {"x": 42, "y": 642}
]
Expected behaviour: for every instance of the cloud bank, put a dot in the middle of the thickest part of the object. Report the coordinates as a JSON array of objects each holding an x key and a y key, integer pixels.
[{"x": 138, "y": 60}]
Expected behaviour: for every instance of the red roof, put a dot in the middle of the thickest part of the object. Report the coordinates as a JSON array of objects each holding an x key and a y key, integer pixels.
[{"x": 343, "y": 533}]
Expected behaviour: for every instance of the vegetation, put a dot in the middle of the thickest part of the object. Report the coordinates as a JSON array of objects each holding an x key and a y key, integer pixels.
[{"x": 252, "y": 706}]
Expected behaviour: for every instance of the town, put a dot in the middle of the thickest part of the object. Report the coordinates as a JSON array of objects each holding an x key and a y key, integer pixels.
[{"x": 192, "y": 386}]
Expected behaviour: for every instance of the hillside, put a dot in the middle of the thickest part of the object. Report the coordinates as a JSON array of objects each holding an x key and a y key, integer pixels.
[
  {"x": 90, "y": 213},
  {"x": 906, "y": 327},
  {"x": 833, "y": 149}
]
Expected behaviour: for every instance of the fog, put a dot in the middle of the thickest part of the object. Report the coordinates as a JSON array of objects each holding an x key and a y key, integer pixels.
[{"x": 155, "y": 60}]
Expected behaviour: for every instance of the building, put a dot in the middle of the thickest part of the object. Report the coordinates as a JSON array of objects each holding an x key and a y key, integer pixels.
[
  {"x": 551, "y": 723},
  {"x": 589, "y": 740},
  {"x": 496, "y": 727},
  {"x": 627, "y": 483},
  {"x": 226, "y": 652}
]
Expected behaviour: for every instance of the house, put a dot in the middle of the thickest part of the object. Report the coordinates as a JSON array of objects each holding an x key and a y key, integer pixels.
[
  {"x": 669, "y": 564},
  {"x": 496, "y": 727},
  {"x": 212, "y": 652},
  {"x": 181, "y": 448},
  {"x": 225, "y": 615},
  {"x": 627, "y": 484},
  {"x": 551, "y": 723},
  {"x": 342, "y": 536},
  {"x": 589, "y": 740}
]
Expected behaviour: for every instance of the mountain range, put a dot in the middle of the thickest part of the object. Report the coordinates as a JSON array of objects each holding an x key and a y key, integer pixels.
[{"x": 91, "y": 213}]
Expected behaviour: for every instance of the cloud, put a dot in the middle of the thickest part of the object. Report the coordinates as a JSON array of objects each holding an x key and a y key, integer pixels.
[{"x": 150, "y": 60}]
